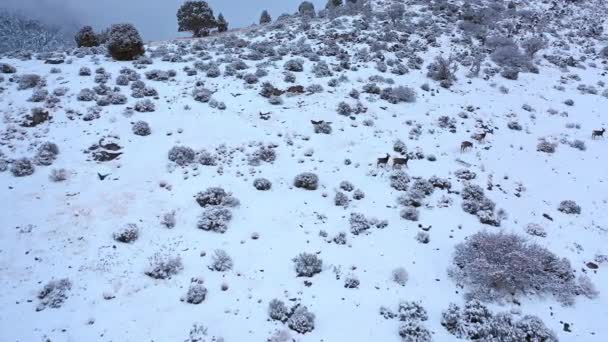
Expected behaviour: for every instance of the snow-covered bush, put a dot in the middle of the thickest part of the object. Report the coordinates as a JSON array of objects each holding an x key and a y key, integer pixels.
[
  {"x": 341, "y": 200},
  {"x": 413, "y": 331},
  {"x": 22, "y": 167},
  {"x": 141, "y": 128},
  {"x": 168, "y": 219},
  {"x": 196, "y": 293},
  {"x": 301, "y": 320},
  {"x": 358, "y": 194},
  {"x": 398, "y": 94},
  {"x": 278, "y": 311},
  {"x": 442, "y": 70},
  {"x": 340, "y": 238},
  {"x": 181, "y": 155},
  {"x": 221, "y": 261},
  {"x": 496, "y": 266},
  {"x": 307, "y": 9},
  {"x": 196, "y": 17},
  {"x": 163, "y": 266},
  {"x": 344, "y": 108},
  {"x": 295, "y": 65},
  {"x": 215, "y": 219},
  {"x": 262, "y": 184},
  {"x": 144, "y": 106},
  {"x": 46, "y": 154},
  {"x": 569, "y": 207},
  {"x": 127, "y": 234},
  {"x": 321, "y": 69},
  {"x": 400, "y": 276},
  {"x": 545, "y": 146},
  {"x": 216, "y": 196},
  {"x": 29, "y": 81},
  {"x": 347, "y": 186},
  {"x": 578, "y": 144},
  {"x": 409, "y": 213},
  {"x": 351, "y": 282},
  {"x": 206, "y": 158},
  {"x": 124, "y": 42},
  {"x": 399, "y": 180},
  {"x": 84, "y": 71},
  {"x": 306, "y": 180},
  {"x": 86, "y": 37},
  {"x": 38, "y": 95},
  {"x": 358, "y": 223},
  {"x": 54, "y": 294},
  {"x": 86, "y": 95},
  {"x": 58, "y": 175},
  {"x": 307, "y": 264}
]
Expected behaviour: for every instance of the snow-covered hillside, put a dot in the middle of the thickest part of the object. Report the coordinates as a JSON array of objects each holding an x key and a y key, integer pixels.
[{"x": 113, "y": 226}]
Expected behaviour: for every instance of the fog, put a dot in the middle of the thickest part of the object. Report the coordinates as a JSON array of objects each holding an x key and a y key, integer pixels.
[{"x": 155, "y": 19}]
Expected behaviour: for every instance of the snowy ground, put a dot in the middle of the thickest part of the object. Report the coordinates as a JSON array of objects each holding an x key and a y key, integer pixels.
[{"x": 64, "y": 230}]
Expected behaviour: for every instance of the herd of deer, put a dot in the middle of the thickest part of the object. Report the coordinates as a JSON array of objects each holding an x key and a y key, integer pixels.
[{"x": 464, "y": 146}]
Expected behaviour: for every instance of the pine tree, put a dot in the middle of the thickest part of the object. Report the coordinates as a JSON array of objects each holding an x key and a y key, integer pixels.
[
  {"x": 222, "y": 24},
  {"x": 196, "y": 17},
  {"x": 265, "y": 18}
]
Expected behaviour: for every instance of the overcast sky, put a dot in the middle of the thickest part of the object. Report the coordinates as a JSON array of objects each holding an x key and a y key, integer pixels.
[{"x": 155, "y": 19}]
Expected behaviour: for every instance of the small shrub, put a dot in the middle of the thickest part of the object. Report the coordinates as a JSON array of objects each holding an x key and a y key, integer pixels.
[
  {"x": 423, "y": 237},
  {"x": 399, "y": 180},
  {"x": 29, "y": 81},
  {"x": 306, "y": 180},
  {"x": 413, "y": 331},
  {"x": 144, "y": 106},
  {"x": 128, "y": 234},
  {"x": 341, "y": 200},
  {"x": 206, "y": 158},
  {"x": 410, "y": 213},
  {"x": 578, "y": 144},
  {"x": 358, "y": 223},
  {"x": 307, "y": 264},
  {"x": 141, "y": 128},
  {"x": 46, "y": 154},
  {"x": 86, "y": 37},
  {"x": 163, "y": 266},
  {"x": 398, "y": 95},
  {"x": 347, "y": 186},
  {"x": 196, "y": 293},
  {"x": 545, "y": 146},
  {"x": 344, "y": 109},
  {"x": 215, "y": 219},
  {"x": 54, "y": 294},
  {"x": 569, "y": 207},
  {"x": 216, "y": 196},
  {"x": 221, "y": 261},
  {"x": 181, "y": 155},
  {"x": 358, "y": 194},
  {"x": 58, "y": 175},
  {"x": 168, "y": 219},
  {"x": 262, "y": 184},
  {"x": 400, "y": 276},
  {"x": 22, "y": 167},
  {"x": 351, "y": 282},
  {"x": 295, "y": 65},
  {"x": 278, "y": 311},
  {"x": 301, "y": 320}
]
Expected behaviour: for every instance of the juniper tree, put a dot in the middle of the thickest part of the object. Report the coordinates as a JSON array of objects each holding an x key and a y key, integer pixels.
[{"x": 196, "y": 17}]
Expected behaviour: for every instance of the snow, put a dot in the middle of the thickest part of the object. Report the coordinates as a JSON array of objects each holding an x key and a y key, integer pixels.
[{"x": 73, "y": 221}]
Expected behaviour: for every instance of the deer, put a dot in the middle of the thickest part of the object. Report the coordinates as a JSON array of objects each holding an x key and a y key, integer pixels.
[
  {"x": 465, "y": 145},
  {"x": 400, "y": 161},
  {"x": 598, "y": 133},
  {"x": 383, "y": 161}
]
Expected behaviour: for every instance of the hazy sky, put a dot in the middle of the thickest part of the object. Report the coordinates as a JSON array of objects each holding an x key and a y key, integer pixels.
[{"x": 155, "y": 19}]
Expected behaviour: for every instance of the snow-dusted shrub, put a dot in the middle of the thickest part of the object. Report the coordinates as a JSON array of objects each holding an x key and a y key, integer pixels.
[
  {"x": 535, "y": 229},
  {"x": 371, "y": 88},
  {"x": 398, "y": 94},
  {"x": 423, "y": 186},
  {"x": 216, "y": 196},
  {"x": 127, "y": 234},
  {"x": 38, "y": 95},
  {"x": 423, "y": 237},
  {"x": 514, "y": 125},
  {"x": 307, "y": 264},
  {"x": 86, "y": 95},
  {"x": 399, "y": 147},
  {"x": 534, "y": 44},
  {"x": 144, "y": 106},
  {"x": 358, "y": 223},
  {"x": 61, "y": 91},
  {"x": 58, "y": 175},
  {"x": 399, "y": 180},
  {"x": 341, "y": 200},
  {"x": 163, "y": 266},
  {"x": 54, "y": 294},
  {"x": 314, "y": 89},
  {"x": 400, "y": 276},
  {"x": 250, "y": 78},
  {"x": 124, "y": 42},
  {"x": 181, "y": 155},
  {"x": 6, "y": 68},
  {"x": 122, "y": 80},
  {"x": 465, "y": 174},
  {"x": 321, "y": 69},
  {"x": 278, "y": 311},
  {"x": 46, "y": 154},
  {"x": 344, "y": 108},
  {"x": 569, "y": 207},
  {"x": 215, "y": 219},
  {"x": 440, "y": 183},
  {"x": 295, "y": 65},
  {"x": 410, "y": 213},
  {"x": 196, "y": 293},
  {"x": 442, "y": 70},
  {"x": 413, "y": 198},
  {"x": 206, "y": 158},
  {"x": 472, "y": 192},
  {"x": 221, "y": 261},
  {"x": 86, "y": 37},
  {"x": 347, "y": 186},
  {"x": 340, "y": 238},
  {"x": 168, "y": 219},
  {"x": 323, "y": 128},
  {"x": 545, "y": 146},
  {"x": 265, "y": 18},
  {"x": 141, "y": 128},
  {"x": 351, "y": 282},
  {"x": 84, "y": 71},
  {"x": 413, "y": 331},
  {"x": 301, "y": 320},
  {"x": 358, "y": 194},
  {"x": 275, "y": 100},
  {"x": 496, "y": 266},
  {"x": 262, "y": 184},
  {"x": 578, "y": 144},
  {"x": 29, "y": 81},
  {"x": 510, "y": 56},
  {"x": 22, "y": 167},
  {"x": 159, "y": 75},
  {"x": 265, "y": 153},
  {"x": 289, "y": 77},
  {"x": 306, "y": 180}
]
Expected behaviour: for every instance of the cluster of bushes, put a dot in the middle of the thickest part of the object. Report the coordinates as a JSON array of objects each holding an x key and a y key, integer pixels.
[
  {"x": 360, "y": 224},
  {"x": 496, "y": 266},
  {"x": 163, "y": 266},
  {"x": 412, "y": 317},
  {"x": 476, "y": 203},
  {"x": 217, "y": 214},
  {"x": 476, "y": 322},
  {"x": 54, "y": 294},
  {"x": 298, "y": 318}
]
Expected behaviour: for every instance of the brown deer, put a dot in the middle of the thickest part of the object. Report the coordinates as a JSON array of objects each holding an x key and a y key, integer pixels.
[
  {"x": 465, "y": 145},
  {"x": 598, "y": 133},
  {"x": 400, "y": 161},
  {"x": 383, "y": 161}
]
